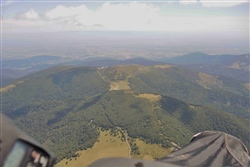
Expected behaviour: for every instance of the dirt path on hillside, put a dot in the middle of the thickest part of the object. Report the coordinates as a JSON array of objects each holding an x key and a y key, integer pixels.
[
  {"x": 102, "y": 76},
  {"x": 126, "y": 136}
]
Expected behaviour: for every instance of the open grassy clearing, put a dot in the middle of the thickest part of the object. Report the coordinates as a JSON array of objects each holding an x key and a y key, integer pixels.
[
  {"x": 10, "y": 87},
  {"x": 113, "y": 146},
  {"x": 151, "y": 151},
  {"x": 163, "y": 66},
  {"x": 120, "y": 85},
  {"x": 247, "y": 86},
  {"x": 7, "y": 88},
  {"x": 240, "y": 65},
  {"x": 108, "y": 146},
  {"x": 151, "y": 97}
]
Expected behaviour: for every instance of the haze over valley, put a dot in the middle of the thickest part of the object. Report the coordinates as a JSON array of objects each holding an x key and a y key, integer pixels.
[
  {"x": 118, "y": 45},
  {"x": 99, "y": 79}
]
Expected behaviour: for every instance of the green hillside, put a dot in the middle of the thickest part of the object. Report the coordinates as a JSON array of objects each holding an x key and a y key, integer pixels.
[
  {"x": 64, "y": 108},
  {"x": 59, "y": 83},
  {"x": 199, "y": 88}
]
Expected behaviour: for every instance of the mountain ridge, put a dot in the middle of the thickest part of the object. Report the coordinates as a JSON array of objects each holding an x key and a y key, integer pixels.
[{"x": 233, "y": 66}]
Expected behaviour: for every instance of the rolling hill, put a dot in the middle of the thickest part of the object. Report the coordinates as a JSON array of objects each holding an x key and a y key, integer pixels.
[
  {"x": 233, "y": 66},
  {"x": 66, "y": 108},
  {"x": 13, "y": 69}
]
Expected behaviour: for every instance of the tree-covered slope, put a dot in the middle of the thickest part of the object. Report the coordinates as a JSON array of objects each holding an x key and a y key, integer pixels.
[
  {"x": 232, "y": 66},
  {"x": 65, "y": 107},
  {"x": 71, "y": 125},
  {"x": 58, "y": 83},
  {"x": 199, "y": 88}
]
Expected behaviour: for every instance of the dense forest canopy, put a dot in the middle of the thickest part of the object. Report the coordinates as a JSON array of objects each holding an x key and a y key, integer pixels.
[{"x": 64, "y": 108}]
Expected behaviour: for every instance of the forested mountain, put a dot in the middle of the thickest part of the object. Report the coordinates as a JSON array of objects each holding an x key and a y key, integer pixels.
[
  {"x": 15, "y": 68},
  {"x": 203, "y": 58},
  {"x": 233, "y": 66},
  {"x": 65, "y": 107}
]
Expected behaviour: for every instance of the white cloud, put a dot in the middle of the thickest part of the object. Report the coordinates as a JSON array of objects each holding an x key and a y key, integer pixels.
[
  {"x": 129, "y": 16},
  {"x": 111, "y": 16},
  {"x": 31, "y": 14},
  {"x": 120, "y": 16},
  {"x": 62, "y": 12},
  {"x": 188, "y": 2},
  {"x": 221, "y": 3}
]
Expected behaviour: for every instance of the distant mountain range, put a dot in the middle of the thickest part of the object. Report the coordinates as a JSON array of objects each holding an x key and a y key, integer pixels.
[
  {"x": 16, "y": 68},
  {"x": 64, "y": 107},
  {"x": 233, "y": 66},
  {"x": 203, "y": 58},
  {"x": 13, "y": 69}
]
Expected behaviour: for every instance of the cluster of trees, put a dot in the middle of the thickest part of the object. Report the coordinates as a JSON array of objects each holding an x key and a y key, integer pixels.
[{"x": 134, "y": 148}]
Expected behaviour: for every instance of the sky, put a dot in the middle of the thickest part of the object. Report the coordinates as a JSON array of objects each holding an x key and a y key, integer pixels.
[
  {"x": 182, "y": 16},
  {"x": 228, "y": 20}
]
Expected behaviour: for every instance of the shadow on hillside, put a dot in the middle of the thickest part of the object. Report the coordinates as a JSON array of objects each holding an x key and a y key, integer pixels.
[{"x": 177, "y": 109}]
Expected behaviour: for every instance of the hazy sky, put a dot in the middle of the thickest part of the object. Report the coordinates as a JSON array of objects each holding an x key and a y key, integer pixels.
[
  {"x": 183, "y": 15},
  {"x": 223, "y": 18}
]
